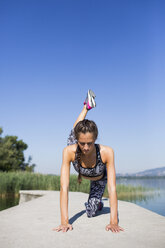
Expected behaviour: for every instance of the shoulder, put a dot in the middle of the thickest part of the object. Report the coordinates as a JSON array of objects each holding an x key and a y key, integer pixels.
[
  {"x": 70, "y": 152},
  {"x": 106, "y": 152}
]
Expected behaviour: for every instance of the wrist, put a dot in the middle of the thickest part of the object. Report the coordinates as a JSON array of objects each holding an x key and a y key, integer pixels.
[
  {"x": 64, "y": 222},
  {"x": 114, "y": 222}
]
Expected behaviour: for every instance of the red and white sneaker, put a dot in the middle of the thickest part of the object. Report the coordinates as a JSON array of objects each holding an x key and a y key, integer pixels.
[{"x": 90, "y": 100}]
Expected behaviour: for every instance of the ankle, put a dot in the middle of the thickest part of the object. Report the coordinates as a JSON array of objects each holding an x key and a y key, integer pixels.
[{"x": 85, "y": 108}]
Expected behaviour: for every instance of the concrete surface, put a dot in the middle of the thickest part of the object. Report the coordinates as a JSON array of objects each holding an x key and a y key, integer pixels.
[{"x": 29, "y": 225}]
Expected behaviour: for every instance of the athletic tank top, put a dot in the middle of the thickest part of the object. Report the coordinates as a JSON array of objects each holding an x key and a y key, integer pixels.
[{"x": 96, "y": 171}]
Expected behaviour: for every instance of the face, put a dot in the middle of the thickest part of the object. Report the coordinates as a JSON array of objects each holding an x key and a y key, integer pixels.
[{"x": 86, "y": 142}]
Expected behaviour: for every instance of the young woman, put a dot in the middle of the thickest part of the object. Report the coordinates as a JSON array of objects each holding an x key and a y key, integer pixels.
[{"x": 92, "y": 161}]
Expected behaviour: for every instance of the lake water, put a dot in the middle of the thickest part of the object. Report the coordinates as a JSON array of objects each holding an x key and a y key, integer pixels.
[{"x": 154, "y": 202}]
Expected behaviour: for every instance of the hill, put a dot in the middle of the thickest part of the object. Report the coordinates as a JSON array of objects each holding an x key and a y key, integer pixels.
[{"x": 156, "y": 172}]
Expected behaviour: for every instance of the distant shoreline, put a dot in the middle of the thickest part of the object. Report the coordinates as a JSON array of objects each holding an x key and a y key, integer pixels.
[{"x": 141, "y": 177}]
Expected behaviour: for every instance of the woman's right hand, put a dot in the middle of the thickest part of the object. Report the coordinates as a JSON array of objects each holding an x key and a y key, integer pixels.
[{"x": 63, "y": 228}]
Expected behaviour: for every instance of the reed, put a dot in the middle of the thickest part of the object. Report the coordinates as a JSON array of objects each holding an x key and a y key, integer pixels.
[{"x": 12, "y": 182}]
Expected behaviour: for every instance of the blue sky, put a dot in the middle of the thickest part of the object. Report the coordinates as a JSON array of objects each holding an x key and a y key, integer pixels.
[{"x": 52, "y": 52}]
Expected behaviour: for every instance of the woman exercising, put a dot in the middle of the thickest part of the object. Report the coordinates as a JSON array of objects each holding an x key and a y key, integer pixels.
[{"x": 92, "y": 161}]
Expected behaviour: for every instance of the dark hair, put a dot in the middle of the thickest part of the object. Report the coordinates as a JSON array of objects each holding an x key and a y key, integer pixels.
[{"x": 84, "y": 126}]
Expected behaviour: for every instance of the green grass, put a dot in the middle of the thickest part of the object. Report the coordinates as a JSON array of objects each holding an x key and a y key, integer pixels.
[{"x": 12, "y": 182}]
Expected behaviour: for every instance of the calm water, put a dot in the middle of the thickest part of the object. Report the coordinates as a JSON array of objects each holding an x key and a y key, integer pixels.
[{"x": 154, "y": 202}]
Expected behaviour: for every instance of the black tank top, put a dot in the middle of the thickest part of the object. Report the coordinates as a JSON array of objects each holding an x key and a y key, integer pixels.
[{"x": 96, "y": 171}]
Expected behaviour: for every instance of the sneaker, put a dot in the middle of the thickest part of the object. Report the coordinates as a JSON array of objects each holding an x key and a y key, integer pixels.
[{"x": 90, "y": 100}]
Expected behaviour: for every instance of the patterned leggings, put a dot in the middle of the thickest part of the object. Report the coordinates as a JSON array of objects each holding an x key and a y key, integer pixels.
[{"x": 94, "y": 203}]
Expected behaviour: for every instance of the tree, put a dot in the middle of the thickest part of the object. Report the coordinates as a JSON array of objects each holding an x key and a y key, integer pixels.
[{"x": 12, "y": 154}]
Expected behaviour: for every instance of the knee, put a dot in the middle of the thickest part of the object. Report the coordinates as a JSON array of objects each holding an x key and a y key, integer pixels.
[
  {"x": 92, "y": 207},
  {"x": 90, "y": 216},
  {"x": 91, "y": 213}
]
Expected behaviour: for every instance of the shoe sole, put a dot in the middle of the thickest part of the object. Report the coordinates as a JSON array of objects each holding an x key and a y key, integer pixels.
[
  {"x": 92, "y": 93},
  {"x": 91, "y": 96}
]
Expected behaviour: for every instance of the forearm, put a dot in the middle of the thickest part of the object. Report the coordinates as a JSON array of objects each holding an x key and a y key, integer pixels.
[
  {"x": 64, "y": 206},
  {"x": 113, "y": 207}
]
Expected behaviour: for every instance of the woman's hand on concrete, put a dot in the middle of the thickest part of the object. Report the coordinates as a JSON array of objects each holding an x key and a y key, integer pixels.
[
  {"x": 63, "y": 228},
  {"x": 114, "y": 228}
]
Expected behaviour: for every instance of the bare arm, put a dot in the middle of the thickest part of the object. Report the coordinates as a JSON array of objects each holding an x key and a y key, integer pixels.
[
  {"x": 111, "y": 184},
  {"x": 64, "y": 186}
]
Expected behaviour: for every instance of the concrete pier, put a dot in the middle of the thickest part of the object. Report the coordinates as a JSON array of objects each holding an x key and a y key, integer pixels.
[{"x": 30, "y": 224}]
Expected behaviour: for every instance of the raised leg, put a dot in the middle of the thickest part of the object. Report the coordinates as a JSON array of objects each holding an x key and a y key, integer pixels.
[
  {"x": 81, "y": 116},
  {"x": 88, "y": 104},
  {"x": 72, "y": 139}
]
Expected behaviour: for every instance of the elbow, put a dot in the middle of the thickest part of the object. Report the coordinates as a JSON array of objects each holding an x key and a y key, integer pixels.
[
  {"x": 111, "y": 190},
  {"x": 64, "y": 188}
]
